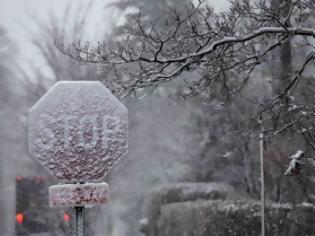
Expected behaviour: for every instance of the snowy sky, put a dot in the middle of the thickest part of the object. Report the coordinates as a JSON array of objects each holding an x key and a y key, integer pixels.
[{"x": 16, "y": 16}]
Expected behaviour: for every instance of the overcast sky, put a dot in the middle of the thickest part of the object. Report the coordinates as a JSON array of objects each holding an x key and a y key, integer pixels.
[
  {"x": 18, "y": 15},
  {"x": 18, "y": 18}
]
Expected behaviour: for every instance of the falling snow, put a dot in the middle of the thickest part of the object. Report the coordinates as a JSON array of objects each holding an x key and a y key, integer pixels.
[{"x": 78, "y": 131}]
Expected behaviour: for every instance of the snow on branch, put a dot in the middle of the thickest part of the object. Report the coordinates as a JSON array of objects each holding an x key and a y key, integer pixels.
[
  {"x": 215, "y": 47},
  {"x": 295, "y": 164},
  {"x": 230, "y": 40},
  {"x": 120, "y": 59}
]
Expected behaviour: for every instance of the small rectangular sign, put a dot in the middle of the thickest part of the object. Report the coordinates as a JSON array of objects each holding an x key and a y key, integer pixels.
[{"x": 71, "y": 195}]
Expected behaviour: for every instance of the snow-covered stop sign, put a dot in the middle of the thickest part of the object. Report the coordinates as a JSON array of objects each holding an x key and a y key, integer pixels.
[{"x": 78, "y": 131}]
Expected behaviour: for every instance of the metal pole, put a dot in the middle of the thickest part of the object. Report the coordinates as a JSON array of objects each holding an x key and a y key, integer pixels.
[
  {"x": 79, "y": 220},
  {"x": 262, "y": 179}
]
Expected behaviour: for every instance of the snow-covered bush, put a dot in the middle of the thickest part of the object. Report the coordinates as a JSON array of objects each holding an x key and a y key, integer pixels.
[
  {"x": 182, "y": 192},
  {"x": 223, "y": 218}
]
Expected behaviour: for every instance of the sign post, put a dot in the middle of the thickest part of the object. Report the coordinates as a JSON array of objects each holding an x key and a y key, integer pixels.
[
  {"x": 79, "y": 221},
  {"x": 78, "y": 132}
]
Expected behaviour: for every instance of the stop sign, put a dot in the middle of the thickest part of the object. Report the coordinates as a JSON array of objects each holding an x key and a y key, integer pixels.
[{"x": 78, "y": 131}]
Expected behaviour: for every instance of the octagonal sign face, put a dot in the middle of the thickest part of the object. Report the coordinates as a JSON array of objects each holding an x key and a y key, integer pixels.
[{"x": 78, "y": 131}]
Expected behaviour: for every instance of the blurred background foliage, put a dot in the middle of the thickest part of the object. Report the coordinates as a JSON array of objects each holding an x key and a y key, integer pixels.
[{"x": 195, "y": 140}]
